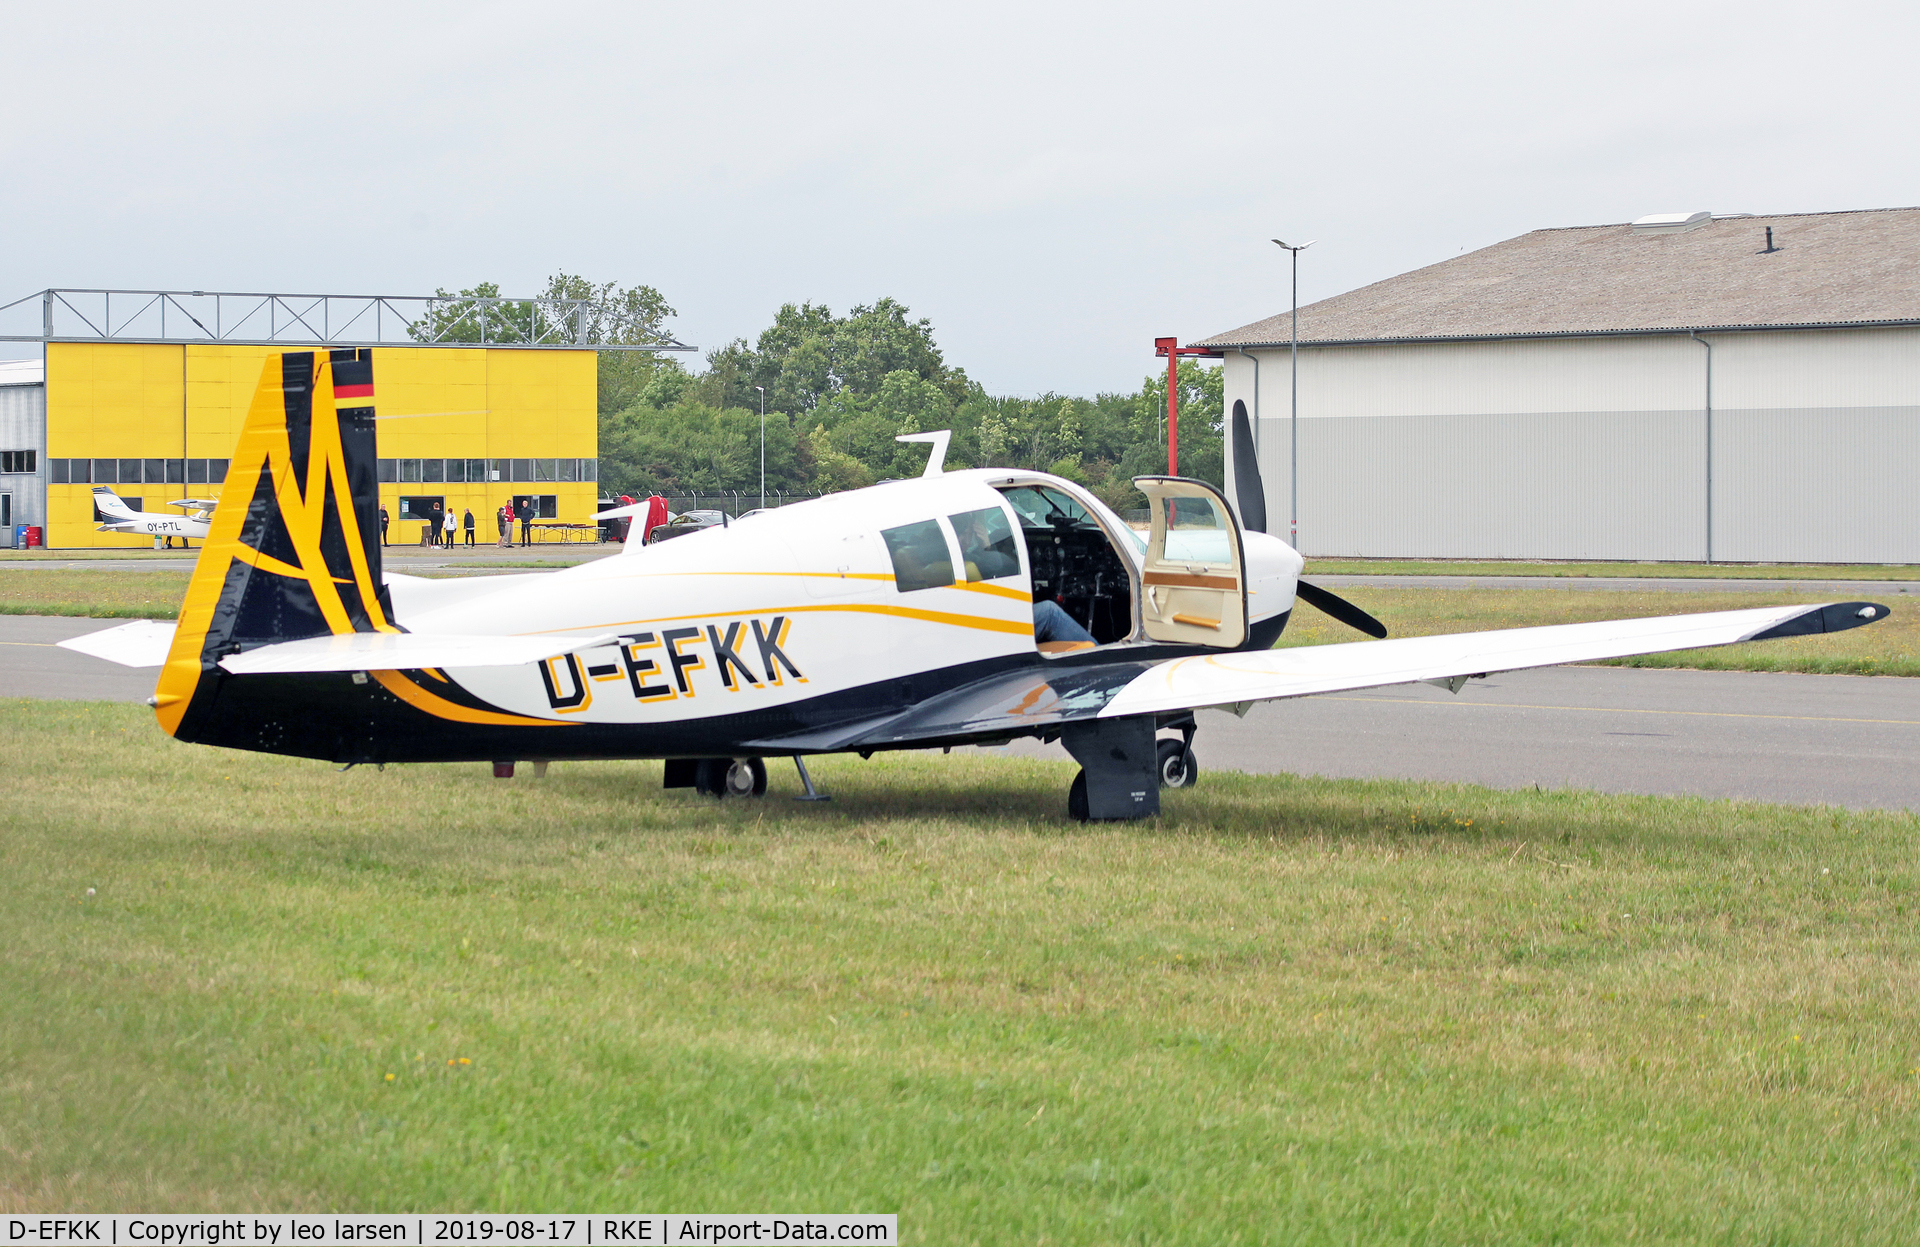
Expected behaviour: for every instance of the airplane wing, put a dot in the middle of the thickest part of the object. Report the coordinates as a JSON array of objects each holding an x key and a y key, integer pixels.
[
  {"x": 197, "y": 504},
  {"x": 403, "y": 651},
  {"x": 1030, "y": 701},
  {"x": 1224, "y": 679},
  {"x": 142, "y": 643}
]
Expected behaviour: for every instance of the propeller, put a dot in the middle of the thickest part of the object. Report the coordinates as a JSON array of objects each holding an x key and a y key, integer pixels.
[
  {"x": 1338, "y": 607},
  {"x": 1252, "y": 496}
]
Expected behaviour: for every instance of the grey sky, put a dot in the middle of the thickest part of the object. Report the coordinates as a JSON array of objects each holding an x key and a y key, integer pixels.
[{"x": 1053, "y": 185}]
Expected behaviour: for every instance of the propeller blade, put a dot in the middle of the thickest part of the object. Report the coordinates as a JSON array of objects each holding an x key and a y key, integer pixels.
[
  {"x": 1250, "y": 493},
  {"x": 1338, "y": 607}
]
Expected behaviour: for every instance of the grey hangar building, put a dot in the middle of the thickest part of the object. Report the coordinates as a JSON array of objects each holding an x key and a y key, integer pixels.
[{"x": 1683, "y": 388}]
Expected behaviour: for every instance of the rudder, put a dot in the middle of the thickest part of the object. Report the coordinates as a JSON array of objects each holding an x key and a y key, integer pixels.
[{"x": 294, "y": 548}]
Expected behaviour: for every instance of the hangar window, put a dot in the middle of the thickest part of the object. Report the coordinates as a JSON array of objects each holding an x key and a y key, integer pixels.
[
  {"x": 434, "y": 470},
  {"x": 153, "y": 471},
  {"x": 60, "y": 473},
  {"x": 129, "y": 471},
  {"x": 410, "y": 471},
  {"x": 105, "y": 471},
  {"x": 920, "y": 557},
  {"x": 589, "y": 469},
  {"x": 176, "y": 471},
  {"x": 477, "y": 471},
  {"x": 216, "y": 470},
  {"x": 389, "y": 471},
  {"x": 522, "y": 470},
  {"x": 18, "y": 460}
]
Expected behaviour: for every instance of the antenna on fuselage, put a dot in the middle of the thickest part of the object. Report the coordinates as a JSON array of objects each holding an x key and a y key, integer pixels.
[{"x": 936, "y": 462}]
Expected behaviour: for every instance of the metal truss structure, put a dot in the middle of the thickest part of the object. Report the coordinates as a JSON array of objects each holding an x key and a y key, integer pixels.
[{"x": 332, "y": 320}]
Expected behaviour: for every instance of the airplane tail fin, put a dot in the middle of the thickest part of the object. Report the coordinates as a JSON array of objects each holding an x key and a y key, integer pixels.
[
  {"x": 294, "y": 548},
  {"x": 111, "y": 505}
]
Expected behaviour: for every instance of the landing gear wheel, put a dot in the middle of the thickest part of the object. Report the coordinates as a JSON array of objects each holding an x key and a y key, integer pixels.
[
  {"x": 1178, "y": 767},
  {"x": 730, "y": 777},
  {"x": 745, "y": 777},
  {"x": 1077, "y": 798}
]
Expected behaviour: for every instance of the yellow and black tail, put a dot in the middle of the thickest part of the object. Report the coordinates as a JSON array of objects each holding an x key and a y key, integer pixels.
[{"x": 294, "y": 550}]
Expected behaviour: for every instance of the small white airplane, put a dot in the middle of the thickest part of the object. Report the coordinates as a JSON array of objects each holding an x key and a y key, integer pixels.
[
  {"x": 910, "y": 615},
  {"x": 122, "y": 518}
]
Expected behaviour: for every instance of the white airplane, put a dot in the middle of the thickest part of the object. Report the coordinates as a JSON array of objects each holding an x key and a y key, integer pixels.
[
  {"x": 901, "y": 616},
  {"x": 122, "y": 518}
]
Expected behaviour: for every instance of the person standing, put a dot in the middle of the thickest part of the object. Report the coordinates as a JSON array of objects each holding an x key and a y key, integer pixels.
[
  {"x": 433, "y": 525},
  {"x": 383, "y": 523},
  {"x": 449, "y": 527},
  {"x": 526, "y": 521},
  {"x": 504, "y": 517},
  {"x": 467, "y": 519}
]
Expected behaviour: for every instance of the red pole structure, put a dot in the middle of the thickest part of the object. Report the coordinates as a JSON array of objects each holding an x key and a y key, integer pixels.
[{"x": 1170, "y": 347}]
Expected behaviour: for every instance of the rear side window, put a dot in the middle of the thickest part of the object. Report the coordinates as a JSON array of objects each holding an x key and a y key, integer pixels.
[
  {"x": 920, "y": 558},
  {"x": 986, "y": 544}
]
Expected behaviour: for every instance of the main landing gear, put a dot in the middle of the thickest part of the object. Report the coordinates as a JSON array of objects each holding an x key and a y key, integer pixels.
[
  {"x": 730, "y": 777},
  {"x": 1123, "y": 767}
]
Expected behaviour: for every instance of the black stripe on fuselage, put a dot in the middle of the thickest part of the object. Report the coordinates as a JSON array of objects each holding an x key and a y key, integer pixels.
[{"x": 330, "y": 716}]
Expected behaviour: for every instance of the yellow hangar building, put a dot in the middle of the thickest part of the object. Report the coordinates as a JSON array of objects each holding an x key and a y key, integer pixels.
[{"x": 462, "y": 425}]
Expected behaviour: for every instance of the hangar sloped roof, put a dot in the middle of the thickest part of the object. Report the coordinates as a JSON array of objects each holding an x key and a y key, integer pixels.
[{"x": 1828, "y": 269}]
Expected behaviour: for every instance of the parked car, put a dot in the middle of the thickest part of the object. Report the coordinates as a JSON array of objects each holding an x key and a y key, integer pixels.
[{"x": 687, "y": 522}]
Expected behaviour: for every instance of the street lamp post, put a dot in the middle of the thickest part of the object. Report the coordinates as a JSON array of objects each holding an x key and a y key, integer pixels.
[
  {"x": 1293, "y": 420},
  {"x": 763, "y": 445}
]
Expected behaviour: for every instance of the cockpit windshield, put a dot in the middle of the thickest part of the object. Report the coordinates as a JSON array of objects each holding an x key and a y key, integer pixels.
[{"x": 1041, "y": 507}]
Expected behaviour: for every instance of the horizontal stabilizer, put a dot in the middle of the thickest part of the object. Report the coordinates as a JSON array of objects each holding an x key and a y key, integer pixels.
[
  {"x": 1219, "y": 679},
  {"x": 196, "y": 504},
  {"x": 142, "y": 643},
  {"x": 403, "y": 651}
]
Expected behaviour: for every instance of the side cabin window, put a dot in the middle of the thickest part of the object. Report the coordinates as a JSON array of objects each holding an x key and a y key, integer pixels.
[
  {"x": 920, "y": 557},
  {"x": 986, "y": 544}
]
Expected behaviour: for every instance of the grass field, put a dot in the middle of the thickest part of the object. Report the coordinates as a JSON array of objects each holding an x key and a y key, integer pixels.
[
  {"x": 101, "y": 595},
  {"x": 1289, "y": 1011},
  {"x": 1688, "y": 571}
]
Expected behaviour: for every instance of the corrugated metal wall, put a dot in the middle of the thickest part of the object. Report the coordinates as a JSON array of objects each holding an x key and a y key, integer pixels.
[
  {"x": 23, "y": 426},
  {"x": 1597, "y": 448}
]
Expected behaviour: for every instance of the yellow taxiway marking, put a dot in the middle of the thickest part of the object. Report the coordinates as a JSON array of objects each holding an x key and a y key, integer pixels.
[{"x": 1699, "y": 714}]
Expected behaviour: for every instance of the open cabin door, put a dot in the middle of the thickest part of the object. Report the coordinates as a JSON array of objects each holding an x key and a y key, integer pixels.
[{"x": 1193, "y": 585}]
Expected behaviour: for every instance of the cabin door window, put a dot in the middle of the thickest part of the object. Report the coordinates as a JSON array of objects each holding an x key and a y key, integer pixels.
[{"x": 1193, "y": 582}]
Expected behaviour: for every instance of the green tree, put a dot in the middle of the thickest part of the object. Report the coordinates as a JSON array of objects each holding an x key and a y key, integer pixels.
[{"x": 809, "y": 356}]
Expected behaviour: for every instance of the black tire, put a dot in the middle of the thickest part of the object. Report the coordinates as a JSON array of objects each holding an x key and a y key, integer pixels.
[
  {"x": 710, "y": 776},
  {"x": 1077, "y": 798},
  {"x": 1178, "y": 767}
]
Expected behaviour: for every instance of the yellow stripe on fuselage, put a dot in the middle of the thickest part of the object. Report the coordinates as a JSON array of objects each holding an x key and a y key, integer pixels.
[
  {"x": 434, "y": 704},
  {"x": 1016, "y": 627}
]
